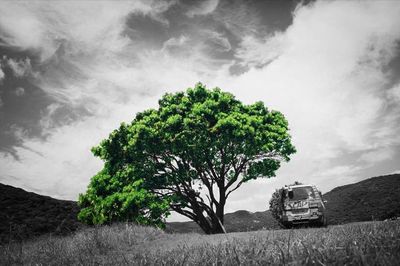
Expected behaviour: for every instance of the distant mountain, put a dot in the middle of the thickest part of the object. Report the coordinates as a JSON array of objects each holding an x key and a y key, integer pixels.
[
  {"x": 25, "y": 214},
  {"x": 376, "y": 198}
]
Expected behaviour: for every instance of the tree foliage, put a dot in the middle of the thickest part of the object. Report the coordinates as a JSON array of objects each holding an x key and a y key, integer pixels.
[
  {"x": 120, "y": 198},
  {"x": 188, "y": 155}
]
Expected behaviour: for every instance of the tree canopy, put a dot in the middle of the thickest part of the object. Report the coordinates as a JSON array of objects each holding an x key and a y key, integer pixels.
[{"x": 188, "y": 155}]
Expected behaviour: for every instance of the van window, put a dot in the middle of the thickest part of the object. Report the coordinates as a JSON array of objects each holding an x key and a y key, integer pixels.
[{"x": 302, "y": 193}]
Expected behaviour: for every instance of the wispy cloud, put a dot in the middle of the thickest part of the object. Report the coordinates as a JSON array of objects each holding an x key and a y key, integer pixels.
[
  {"x": 20, "y": 68},
  {"x": 19, "y": 91},
  {"x": 2, "y": 75},
  {"x": 254, "y": 52},
  {"x": 204, "y": 8},
  {"x": 87, "y": 27},
  {"x": 377, "y": 155}
]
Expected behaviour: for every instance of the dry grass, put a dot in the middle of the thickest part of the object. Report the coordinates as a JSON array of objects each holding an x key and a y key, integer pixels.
[{"x": 372, "y": 243}]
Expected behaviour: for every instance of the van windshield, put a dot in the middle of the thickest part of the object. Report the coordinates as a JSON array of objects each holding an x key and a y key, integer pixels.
[{"x": 302, "y": 193}]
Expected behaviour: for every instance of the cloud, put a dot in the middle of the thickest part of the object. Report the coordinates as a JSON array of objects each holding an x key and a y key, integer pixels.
[
  {"x": 203, "y": 53},
  {"x": 20, "y": 68},
  {"x": 376, "y": 156},
  {"x": 65, "y": 159},
  {"x": 204, "y": 8},
  {"x": 19, "y": 91},
  {"x": 393, "y": 93},
  {"x": 329, "y": 64},
  {"x": 240, "y": 18},
  {"x": 19, "y": 27},
  {"x": 218, "y": 41},
  {"x": 84, "y": 26},
  {"x": 254, "y": 52},
  {"x": 2, "y": 75}
]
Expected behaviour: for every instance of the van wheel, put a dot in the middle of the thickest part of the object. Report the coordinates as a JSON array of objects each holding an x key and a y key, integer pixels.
[
  {"x": 285, "y": 225},
  {"x": 324, "y": 222}
]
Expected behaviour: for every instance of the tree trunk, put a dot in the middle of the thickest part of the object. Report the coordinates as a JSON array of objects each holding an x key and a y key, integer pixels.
[
  {"x": 214, "y": 223},
  {"x": 211, "y": 224},
  {"x": 205, "y": 225},
  {"x": 220, "y": 212},
  {"x": 218, "y": 222}
]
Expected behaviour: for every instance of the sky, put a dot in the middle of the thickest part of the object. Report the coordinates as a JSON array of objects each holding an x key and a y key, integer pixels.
[{"x": 71, "y": 72}]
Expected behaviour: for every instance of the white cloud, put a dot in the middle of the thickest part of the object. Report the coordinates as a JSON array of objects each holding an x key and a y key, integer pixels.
[
  {"x": 376, "y": 156},
  {"x": 20, "y": 68},
  {"x": 19, "y": 91},
  {"x": 2, "y": 75},
  {"x": 204, "y": 8},
  {"x": 19, "y": 27},
  {"x": 219, "y": 41},
  {"x": 47, "y": 122},
  {"x": 255, "y": 52},
  {"x": 175, "y": 42},
  {"x": 394, "y": 93},
  {"x": 321, "y": 72},
  {"x": 195, "y": 52},
  {"x": 84, "y": 25},
  {"x": 63, "y": 166},
  {"x": 19, "y": 132},
  {"x": 240, "y": 17}
]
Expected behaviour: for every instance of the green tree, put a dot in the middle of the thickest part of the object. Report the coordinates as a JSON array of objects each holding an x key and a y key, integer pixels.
[
  {"x": 188, "y": 155},
  {"x": 275, "y": 204},
  {"x": 121, "y": 198}
]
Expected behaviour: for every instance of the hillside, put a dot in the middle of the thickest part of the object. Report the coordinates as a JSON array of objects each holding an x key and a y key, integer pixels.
[
  {"x": 25, "y": 214},
  {"x": 376, "y": 198}
]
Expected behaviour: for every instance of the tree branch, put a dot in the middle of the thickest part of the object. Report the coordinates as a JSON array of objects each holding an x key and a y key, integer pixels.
[
  {"x": 186, "y": 213},
  {"x": 238, "y": 170},
  {"x": 210, "y": 165},
  {"x": 236, "y": 187}
]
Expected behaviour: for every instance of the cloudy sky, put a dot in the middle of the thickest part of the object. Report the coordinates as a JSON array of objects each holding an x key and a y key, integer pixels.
[{"x": 71, "y": 72}]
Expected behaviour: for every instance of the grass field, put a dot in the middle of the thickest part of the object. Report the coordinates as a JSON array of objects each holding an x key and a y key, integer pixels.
[{"x": 369, "y": 243}]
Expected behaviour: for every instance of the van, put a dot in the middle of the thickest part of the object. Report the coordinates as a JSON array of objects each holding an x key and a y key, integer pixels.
[{"x": 302, "y": 204}]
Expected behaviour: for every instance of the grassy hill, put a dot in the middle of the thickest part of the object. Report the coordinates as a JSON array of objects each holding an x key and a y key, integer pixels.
[
  {"x": 25, "y": 214},
  {"x": 376, "y": 198}
]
